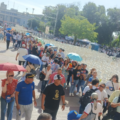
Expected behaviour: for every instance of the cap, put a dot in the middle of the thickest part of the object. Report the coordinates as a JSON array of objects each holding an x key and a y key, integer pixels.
[
  {"x": 55, "y": 50},
  {"x": 59, "y": 68},
  {"x": 57, "y": 77},
  {"x": 73, "y": 115},
  {"x": 30, "y": 75},
  {"x": 49, "y": 65}
]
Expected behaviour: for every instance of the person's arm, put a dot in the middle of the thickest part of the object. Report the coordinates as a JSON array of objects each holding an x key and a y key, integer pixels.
[
  {"x": 84, "y": 115},
  {"x": 43, "y": 101},
  {"x": 16, "y": 100},
  {"x": 63, "y": 101},
  {"x": 4, "y": 89},
  {"x": 17, "y": 56},
  {"x": 50, "y": 81},
  {"x": 35, "y": 103},
  {"x": 114, "y": 105}
]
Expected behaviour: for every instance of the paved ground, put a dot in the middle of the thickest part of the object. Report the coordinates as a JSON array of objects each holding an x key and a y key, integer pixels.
[{"x": 9, "y": 56}]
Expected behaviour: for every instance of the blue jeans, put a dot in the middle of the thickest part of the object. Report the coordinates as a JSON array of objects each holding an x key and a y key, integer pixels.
[
  {"x": 117, "y": 116},
  {"x": 81, "y": 84},
  {"x": 81, "y": 109},
  {"x": 73, "y": 85},
  {"x": 9, "y": 110},
  {"x": 44, "y": 83}
]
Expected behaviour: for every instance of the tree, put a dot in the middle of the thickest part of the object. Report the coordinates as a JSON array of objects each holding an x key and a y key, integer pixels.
[
  {"x": 116, "y": 43},
  {"x": 41, "y": 26},
  {"x": 34, "y": 22},
  {"x": 78, "y": 28}
]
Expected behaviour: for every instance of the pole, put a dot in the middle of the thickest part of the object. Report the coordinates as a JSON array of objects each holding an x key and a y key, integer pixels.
[
  {"x": 31, "y": 19},
  {"x": 56, "y": 21}
]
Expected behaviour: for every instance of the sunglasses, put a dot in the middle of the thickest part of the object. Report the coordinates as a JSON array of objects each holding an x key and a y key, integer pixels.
[
  {"x": 11, "y": 75},
  {"x": 102, "y": 86}
]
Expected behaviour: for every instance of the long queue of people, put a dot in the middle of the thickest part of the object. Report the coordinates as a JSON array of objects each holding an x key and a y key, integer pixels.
[{"x": 57, "y": 73}]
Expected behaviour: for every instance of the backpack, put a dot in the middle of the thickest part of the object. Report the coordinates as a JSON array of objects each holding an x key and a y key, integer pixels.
[
  {"x": 32, "y": 71},
  {"x": 85, "y": 99},
  {"x": 41, "y": 76}
]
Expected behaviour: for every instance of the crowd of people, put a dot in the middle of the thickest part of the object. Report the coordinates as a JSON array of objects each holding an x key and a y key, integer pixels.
[{"x": 57, "y": 72}]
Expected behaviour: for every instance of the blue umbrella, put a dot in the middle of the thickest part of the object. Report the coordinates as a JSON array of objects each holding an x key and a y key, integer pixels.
[
  {"x": 8, "y": 29},
  {"x": 27, "y": 34},
  {"x": 33, "y": 59},
  {"x": 74, "y": 56},
  {"x": 49, "y": 44}
]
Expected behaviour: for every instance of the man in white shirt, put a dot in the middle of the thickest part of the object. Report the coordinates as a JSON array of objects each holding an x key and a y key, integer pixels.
[
  {"x": 19, "y": 39},
  {"x": 21, "y": 52},
  {"x": 62, "y": 53}
]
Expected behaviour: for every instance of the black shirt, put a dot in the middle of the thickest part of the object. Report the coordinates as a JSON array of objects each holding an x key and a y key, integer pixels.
[
  {"x": 84, "y": 71},
  {"x": 53, "y": 94},
  {"x": 76, "y": 74},
  {"x": 34, "y": 50}
]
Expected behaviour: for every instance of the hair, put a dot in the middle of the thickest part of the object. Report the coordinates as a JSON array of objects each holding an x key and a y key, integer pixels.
[
  {"x": 65, "y": 61},
  {"x": 114, "y": 76},
  {"x": 9, "y": 71},
  {"x": 29, "y": 62},
  {"x": 102, "y": 84},
  {"x": 94, "y": 82},
  {"x": 44, "y": 116},
  {"x": 92, "y": 70},
  {"x": 94, "y": 100},
  {"x": 77, "y": 66},
  {"x": 56, "y": 60}
]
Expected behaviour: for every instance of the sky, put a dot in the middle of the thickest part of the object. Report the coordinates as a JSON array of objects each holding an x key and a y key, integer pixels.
[{"x": 39, "y": 5}]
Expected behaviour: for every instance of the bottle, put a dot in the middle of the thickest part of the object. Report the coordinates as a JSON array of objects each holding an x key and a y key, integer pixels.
[{"x": 19, "y": 112}]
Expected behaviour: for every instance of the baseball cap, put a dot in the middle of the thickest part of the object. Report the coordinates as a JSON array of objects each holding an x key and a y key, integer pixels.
[
  {"x": 57, "y": 77},
  {"x": 73, "y": 115},
  {"x": 55, "y": 50},
  {"x": 29, "y": 75}
]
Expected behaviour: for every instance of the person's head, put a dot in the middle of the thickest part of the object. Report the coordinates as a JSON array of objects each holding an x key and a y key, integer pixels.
[
  {"x": 47, "y": 54},
  {"x": 49, "y": 67},
  {"x": 74, "y": 63},
  {"x": 29, "y": 78},
  {"x": 29, "y": 63},
  {"x": 10, "y": 75},
  {"x": 94, "y": 98},
  {"x": 95, "y": 82},
  {"x": 44, "y": 116},
  {"x": 91, "y": 71},
  {"x": 59, "y": 70},
  {"x": 60, "y": 50},
  {"x": 59, "y": 55},
  {"x": 78, "y": 67},
  {"x": 94, "y": 74},
  {"x": 65, "y": 62},
  {"x": 56, "y": 61},
  {"x": 57, "y": 79},
  {"x": 68, "y": 60},
  {"x": 102, "y": 86},
  {"x": 114, "y": 78},
  {"x": 84, "y": 66}
]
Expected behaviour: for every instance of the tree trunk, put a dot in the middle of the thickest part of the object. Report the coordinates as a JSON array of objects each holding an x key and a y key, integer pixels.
[{"x": 75, "y": 39}]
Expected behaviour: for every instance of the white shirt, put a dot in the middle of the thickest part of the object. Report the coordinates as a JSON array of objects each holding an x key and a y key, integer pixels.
[
  {"x": 47, "y": 73},
  {"x": 109, "y": 84},
  {"x": 19, "y": 37},
  {"x": 22, "y": 52},
  {"x": 44, "y": 58},
  {"x": 103, "y": 96},
  {"x": 97, "y": 111},
  {"x": 14, "y": 36},
  {"x": 97, "y": 91}
]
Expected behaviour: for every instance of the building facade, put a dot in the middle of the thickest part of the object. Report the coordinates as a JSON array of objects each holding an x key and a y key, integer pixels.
[{"x": 13, "y": 16}]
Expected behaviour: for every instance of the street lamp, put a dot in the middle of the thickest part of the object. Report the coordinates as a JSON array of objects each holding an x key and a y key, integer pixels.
[{"x": 31, "y": 19}]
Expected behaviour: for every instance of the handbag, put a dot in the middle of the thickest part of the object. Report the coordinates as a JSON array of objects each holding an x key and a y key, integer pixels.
[
  {"x": 91, "y": 116},
  {"x": 32, "y": 71},
  {"x": 41, "y": 76}
]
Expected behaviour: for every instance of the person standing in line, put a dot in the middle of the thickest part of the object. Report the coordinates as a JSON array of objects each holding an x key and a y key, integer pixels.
[
  {"x": 23, "y": 97},
  {"x": 19, "y": 39},
  {"x": 47, "y": 72},
  {"x": 8, "y": 38},
  {"x": 8, "y": 95},
  {"x": 51, "y": 97},
  {"x": 21, "y": 52}
]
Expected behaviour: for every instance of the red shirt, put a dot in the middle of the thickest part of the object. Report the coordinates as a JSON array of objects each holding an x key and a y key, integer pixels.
[{"x": 10, "y": 87}]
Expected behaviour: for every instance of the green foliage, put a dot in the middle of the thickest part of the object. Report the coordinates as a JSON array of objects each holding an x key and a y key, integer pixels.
[
  {"x": 78, "y": 28},
  {"x": 33, "y": 22},
  {"x": 116, "y": 43}
]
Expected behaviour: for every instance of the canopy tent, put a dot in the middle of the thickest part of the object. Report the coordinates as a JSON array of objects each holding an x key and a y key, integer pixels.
[
  {"x": 95, "y": 46},
  {"x": 84, "y": 41}
]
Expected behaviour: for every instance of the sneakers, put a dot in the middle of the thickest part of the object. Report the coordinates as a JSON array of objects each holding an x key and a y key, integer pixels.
[
  {"x": 70, "y": 94},
  {"x": 77, "y": 93}
]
